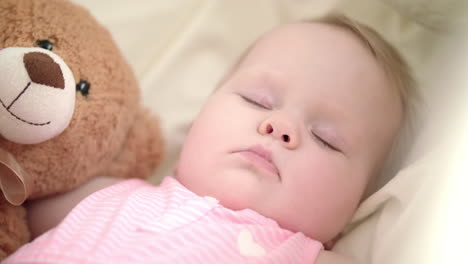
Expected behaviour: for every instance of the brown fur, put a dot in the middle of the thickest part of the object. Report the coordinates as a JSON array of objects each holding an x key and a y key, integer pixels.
[{"x": 110, "y": 133}]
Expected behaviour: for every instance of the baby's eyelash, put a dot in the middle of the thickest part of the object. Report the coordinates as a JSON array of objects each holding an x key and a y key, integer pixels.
[
  {"x": 325, "y": 143},
  {"x": 253, "y": 102}
]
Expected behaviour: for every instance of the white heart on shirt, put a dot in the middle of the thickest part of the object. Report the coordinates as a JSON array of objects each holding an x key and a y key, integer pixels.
[{"x": 247, "y": 246}]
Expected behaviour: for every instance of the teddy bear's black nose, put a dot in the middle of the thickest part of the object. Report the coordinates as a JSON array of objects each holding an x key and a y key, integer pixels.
[{"x": 42, "y": 69}]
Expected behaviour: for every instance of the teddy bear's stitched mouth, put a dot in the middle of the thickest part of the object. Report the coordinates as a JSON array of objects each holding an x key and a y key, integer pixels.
[{"x": 17, "y": 117}]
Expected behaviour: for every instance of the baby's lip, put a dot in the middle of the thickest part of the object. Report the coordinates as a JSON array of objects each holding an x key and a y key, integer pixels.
[
  {"x": 262, "y": 157},
  {"x": 261, "y": 151}
]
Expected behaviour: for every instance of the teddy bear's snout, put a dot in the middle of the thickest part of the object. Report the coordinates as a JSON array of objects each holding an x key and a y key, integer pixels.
[
  {"x": 37, "y": 94},
  {"x": 42, "y": 69}
]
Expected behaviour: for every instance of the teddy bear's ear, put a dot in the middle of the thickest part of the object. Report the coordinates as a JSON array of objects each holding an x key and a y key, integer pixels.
[{"x": 14, "y": 181}]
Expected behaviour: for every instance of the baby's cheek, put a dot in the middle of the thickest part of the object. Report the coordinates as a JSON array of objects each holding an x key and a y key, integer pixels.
[
  {"x": 317, "y": 173},
  {"x": 316, "y": 195}
]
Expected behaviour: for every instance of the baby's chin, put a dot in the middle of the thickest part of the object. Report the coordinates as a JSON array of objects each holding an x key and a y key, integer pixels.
[
  {"x": 234, "y": 187},
  {"x": 232, "y": 199}
]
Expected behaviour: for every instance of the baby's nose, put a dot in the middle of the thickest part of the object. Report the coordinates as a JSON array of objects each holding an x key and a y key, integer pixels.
[{"x": 281, "y": 128}]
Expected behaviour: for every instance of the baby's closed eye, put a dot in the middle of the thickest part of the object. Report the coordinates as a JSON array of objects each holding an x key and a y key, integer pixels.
[
  {"x": 258, "y": 101},
  {"x": 324, "y": 141}
]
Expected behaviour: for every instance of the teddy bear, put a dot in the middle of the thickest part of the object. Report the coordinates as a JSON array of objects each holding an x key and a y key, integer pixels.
[{"x": 70, "y": 109}]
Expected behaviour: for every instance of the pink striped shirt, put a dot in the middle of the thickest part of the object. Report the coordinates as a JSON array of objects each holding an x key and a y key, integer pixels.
[{"x": 136, "y": 222}]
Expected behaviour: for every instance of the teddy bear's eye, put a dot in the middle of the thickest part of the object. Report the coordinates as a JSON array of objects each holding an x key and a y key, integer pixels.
[
  {"x": 83, "y": 87},
  {"x": 45, "y": 44}
]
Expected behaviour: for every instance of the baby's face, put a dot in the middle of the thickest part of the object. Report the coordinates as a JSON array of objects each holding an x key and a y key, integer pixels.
[{"x": 296, "y": 132}]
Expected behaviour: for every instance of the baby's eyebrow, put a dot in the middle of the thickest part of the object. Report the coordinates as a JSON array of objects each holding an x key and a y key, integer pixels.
[{"x": 269, "y": 79}]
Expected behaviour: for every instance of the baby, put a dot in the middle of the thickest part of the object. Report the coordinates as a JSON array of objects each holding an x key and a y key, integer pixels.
[{"x": 272, "y": 169}]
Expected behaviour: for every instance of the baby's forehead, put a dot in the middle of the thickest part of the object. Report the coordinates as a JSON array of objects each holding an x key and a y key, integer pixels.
[
  {"x": 278, "y": 40},
  {"x": 317, "y": 39}
]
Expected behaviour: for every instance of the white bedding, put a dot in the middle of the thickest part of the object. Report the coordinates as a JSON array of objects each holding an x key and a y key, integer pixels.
[{"x": 180, "y": 49}]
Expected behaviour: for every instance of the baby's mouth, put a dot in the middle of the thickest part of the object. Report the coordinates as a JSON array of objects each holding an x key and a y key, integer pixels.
[{"x": 261, "y": 158}]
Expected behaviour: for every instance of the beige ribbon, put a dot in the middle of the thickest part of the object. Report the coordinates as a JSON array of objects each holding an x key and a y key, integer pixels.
[{"x": 15, "y": 182}]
